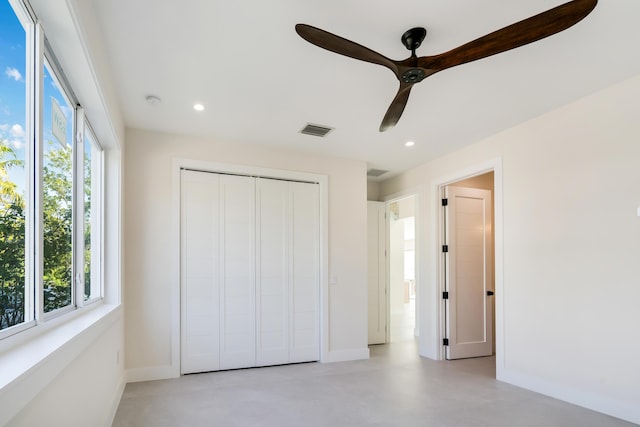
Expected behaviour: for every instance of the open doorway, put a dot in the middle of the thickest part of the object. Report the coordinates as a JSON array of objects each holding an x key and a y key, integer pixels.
[
  {"x": 468, "y": 265},
  {"x": 402, "y": 272}
]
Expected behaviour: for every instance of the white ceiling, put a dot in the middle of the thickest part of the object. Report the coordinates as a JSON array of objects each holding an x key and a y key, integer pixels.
[{"x": 261, "y": 83}]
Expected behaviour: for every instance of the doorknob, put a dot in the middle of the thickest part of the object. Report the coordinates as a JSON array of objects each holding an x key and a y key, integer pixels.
[{"x": 490, "y": 293}]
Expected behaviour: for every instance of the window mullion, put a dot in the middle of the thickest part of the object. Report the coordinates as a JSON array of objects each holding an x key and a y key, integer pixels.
[
  {"x": 36, "y": 238},
  {"x": 78, "y": 207},
  {"x": 30, "y": 288}
]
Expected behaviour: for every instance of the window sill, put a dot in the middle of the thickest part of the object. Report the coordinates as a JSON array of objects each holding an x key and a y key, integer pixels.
[{"x": 53, "y": 344}]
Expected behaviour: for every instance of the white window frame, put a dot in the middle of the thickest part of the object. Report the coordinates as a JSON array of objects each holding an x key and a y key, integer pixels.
[
  {"x": 38, "y": 55},
  {"x": 27, "y": 20},
  {"x": 48, "y": 59},
  {"x": 83, "y": 132}
]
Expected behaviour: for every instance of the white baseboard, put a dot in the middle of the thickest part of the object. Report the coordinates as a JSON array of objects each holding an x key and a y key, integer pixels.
[
  {"x": 152, "y": 373},
  {"x": 345, "y": 355},
  {"x": 167, "y": 372},
  {"x": 596, "y": 402}
]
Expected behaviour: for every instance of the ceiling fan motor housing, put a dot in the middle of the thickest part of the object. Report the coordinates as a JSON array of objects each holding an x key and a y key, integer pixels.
[
  {"x": 414, "y": 75},
  {"x": 412, "y": 39}
]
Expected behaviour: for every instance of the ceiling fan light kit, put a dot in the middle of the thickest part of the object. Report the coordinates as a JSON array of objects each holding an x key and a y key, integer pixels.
[{"x": 415, "y": 69}]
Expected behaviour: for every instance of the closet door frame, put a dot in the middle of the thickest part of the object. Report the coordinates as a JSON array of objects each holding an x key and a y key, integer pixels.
[{"x": 225, "y": 168}]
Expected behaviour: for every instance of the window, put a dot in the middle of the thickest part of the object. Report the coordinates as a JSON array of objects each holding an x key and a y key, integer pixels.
[
  {"x": 56, "y": 193},
  {"x": 50, "y": 183},
  {"x": 92, "y": 214},
  {"x": 14, "y": 303}
]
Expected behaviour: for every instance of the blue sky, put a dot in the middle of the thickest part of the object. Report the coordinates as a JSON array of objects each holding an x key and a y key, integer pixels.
[
  {"x": 12, "y": 84},
  {"x": 13, "y": 91}
]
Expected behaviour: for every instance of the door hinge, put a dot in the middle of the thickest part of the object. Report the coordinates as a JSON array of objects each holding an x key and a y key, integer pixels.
[
  {"x": 445, "y": 248},
  {"x": 445, "y": 341},
  {"x": 445, "y": 202},
  {"x": 445, "y": 295}
]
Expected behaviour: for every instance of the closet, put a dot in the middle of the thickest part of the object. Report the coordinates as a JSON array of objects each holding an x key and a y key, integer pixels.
[{"x": 249, "y": 271}]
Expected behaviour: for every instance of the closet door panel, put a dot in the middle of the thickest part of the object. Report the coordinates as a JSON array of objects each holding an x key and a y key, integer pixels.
[
  {"x": 199, "y": 275},
  {"x": 237, "y": 265},
  {"x": 304, "y": 344},
  {"x": 272, "y": 277},
  {"x": 249, "y": 272}
]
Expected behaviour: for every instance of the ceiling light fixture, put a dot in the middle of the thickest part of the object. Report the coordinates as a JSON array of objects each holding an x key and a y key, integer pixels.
[
  {"x": 198, "y": 107},
  {"x": 409, "y": 144}
]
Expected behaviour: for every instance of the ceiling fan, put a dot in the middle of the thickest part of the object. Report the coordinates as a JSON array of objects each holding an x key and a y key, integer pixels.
[{"x": 415, "y": 69}]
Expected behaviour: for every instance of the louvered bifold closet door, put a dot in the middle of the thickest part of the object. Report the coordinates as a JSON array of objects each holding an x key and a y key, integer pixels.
[{"x": 200, "y": 312}]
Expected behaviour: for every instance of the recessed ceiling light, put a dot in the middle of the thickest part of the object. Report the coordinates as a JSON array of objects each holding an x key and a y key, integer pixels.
[
  {"x": 409, "y": 144},
  {"x": 152, "y": 100},
  {"x": 198, "y": 107}
]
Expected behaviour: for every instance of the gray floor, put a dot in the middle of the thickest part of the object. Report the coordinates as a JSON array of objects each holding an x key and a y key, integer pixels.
[{"x": 393, "y": 388}]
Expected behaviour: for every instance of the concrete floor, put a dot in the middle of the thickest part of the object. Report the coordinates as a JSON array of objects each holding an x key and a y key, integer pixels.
[{"x": 394, "y": 387}]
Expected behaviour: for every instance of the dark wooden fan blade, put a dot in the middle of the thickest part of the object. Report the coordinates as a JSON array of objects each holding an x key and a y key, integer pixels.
[
  {"x": 519, "y": 34},
  {"x": 343, "y": 46},
  {"x": 396, "y": 108}
]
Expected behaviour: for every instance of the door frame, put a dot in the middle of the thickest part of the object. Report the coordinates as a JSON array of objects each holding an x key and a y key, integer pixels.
[
  {"x": 418, "y": 253},
  {"x": 439, "y": 328},
  {"x": 227, "y": 168}
]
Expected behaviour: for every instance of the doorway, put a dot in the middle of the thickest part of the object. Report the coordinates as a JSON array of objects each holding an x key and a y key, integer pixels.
[
  {"x": 401, "y": 215},
  {"x": 468, "y": 265}
]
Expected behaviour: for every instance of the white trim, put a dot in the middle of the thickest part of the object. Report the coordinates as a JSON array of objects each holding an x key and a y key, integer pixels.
[
  {"x": 112, "y": 211},
  {"x": 414, "y": 191},
  {"x": 151, "y": 373},
  {"x": 173, "y": 370},
  {"x": 346, "y": 355},
  {"x": 35, "y": 246},
  {"x": 435, "y": 348},
  {"x": 77, "y": 228}
]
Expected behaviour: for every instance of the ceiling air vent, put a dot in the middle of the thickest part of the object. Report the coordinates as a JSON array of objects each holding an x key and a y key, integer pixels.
[
  {"x": 316, "y": 130},
  {"x": 376, "y": 172}
]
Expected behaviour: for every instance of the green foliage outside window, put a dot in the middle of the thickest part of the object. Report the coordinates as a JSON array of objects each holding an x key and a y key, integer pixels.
[
  {"x": 57, "y": 234},
  {"x": 12, "y": 242}
]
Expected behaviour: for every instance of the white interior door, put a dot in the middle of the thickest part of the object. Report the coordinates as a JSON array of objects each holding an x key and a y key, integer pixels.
[
  {"x": 376, "y": 276},
  {"x": 237, "y": 266},
  {"x": 304, "y": 271},
  {"x": 469, "y": 313},
  {"x": 288, "y": 276},
  {"x": 200, "y": 312},
  {"x": 272, "y": 278}
]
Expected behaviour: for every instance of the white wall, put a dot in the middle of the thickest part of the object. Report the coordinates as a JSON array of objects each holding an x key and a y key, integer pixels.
[
  {"x": 86, "y": 391},
  {"x": 148, "y": 217},
  {"x": 568, "y": 291},
  {"x": 373, "y": 191}
]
